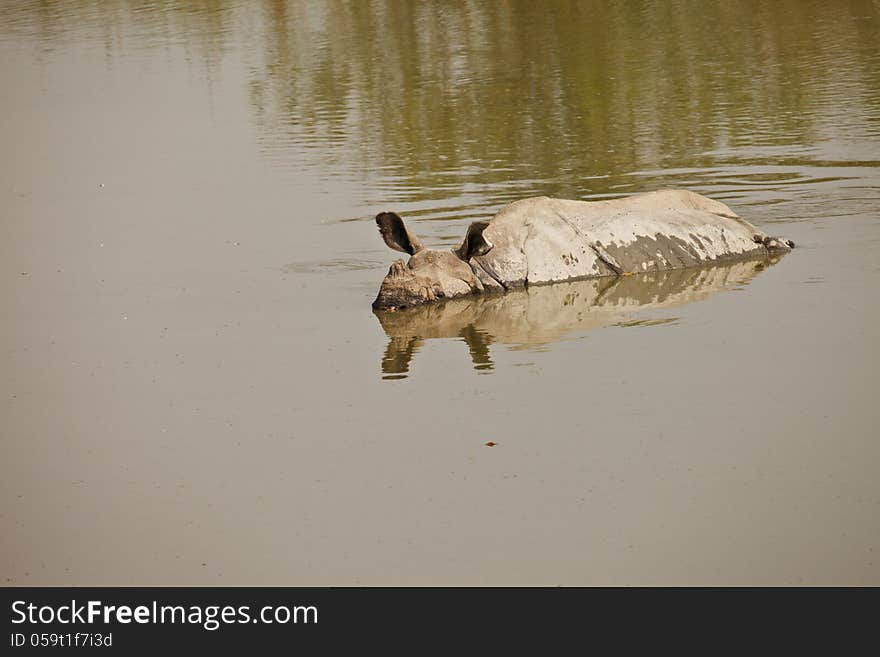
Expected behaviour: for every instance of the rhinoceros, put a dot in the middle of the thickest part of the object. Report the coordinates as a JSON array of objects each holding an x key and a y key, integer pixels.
[{"x": 546, "y": 240}]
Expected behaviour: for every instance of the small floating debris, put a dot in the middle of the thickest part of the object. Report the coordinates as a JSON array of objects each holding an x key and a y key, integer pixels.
[{"x": 490, "y": 444}]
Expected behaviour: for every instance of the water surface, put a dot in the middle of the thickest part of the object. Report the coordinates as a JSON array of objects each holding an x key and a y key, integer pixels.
[{"x": 197, "y": 392}]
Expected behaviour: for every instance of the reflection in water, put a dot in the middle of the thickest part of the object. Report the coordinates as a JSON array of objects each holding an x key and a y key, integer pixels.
[
  {"x": 484, "y": 103},
  {"x": 540, "y": 315},
  {"x": 450, "y": 111}
]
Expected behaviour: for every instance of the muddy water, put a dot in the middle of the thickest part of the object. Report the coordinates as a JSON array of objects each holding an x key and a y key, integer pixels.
[{"x": 195, "y": 390}]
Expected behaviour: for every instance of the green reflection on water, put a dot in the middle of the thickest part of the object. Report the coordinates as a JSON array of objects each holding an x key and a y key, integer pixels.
[
  {"x": 480, "y": 103},
  {"x": 563, "y": 98}
]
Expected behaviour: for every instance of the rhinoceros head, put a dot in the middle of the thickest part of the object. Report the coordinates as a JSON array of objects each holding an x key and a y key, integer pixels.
[{"x": 429, "y": 275}]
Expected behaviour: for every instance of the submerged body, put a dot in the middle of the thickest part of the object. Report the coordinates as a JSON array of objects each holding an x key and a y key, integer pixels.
[{"x": 546, "y": 240}]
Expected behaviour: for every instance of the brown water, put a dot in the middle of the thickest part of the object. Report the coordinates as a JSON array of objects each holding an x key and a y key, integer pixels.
[{"x": 195, "y": 390}]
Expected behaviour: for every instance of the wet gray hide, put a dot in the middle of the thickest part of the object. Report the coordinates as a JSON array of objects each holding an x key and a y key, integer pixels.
[{"x": 546, "y": 240}]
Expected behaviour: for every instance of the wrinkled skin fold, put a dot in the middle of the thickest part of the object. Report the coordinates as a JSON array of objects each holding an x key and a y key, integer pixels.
[{"x": 545, "y": 240}]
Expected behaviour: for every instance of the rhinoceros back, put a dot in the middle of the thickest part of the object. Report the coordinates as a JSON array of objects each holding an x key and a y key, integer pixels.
[{"x": 541, "y": 240}]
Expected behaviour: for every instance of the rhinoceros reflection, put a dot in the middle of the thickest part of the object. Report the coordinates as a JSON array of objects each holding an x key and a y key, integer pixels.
[{"x": 540, "y": 315}]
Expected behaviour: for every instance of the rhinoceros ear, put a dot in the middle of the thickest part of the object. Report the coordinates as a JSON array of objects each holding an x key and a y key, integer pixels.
[
  {"x": 396, "y": 235},
  {"x": 474, "y": 243}
]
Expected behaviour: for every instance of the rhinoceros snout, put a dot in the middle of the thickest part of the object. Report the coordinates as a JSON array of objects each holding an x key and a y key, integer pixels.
[{"x": 397, "y": 289}]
